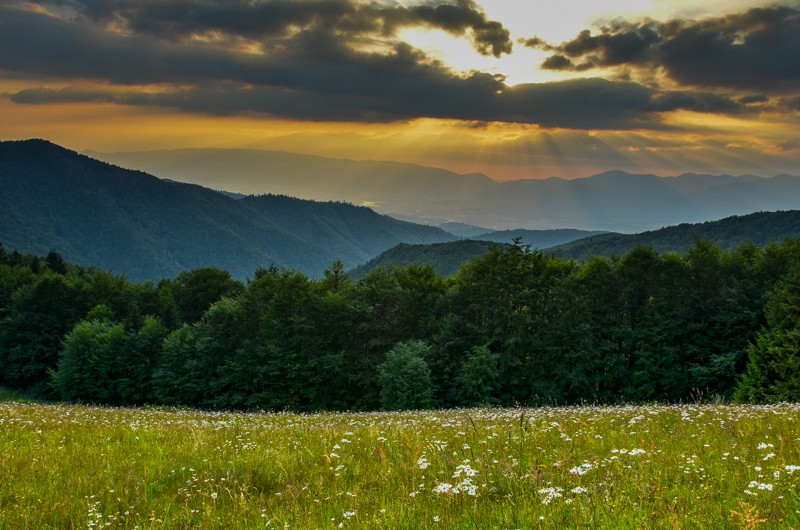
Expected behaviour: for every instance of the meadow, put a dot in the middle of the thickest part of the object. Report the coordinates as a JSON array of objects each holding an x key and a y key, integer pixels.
[{"x": 689, "y": 466}]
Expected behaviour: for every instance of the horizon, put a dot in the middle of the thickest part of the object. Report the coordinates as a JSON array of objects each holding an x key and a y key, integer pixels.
[
  {"x": 95, "y": 154},
  {"x": 642, "y": 86},
  {"x": 92, "y": 153}
]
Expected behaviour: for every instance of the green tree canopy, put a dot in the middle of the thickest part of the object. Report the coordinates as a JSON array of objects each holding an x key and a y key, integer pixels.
[{"x": 405, "y": 378}]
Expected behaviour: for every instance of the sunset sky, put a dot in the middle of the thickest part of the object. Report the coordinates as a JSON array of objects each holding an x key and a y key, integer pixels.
[{"x": 510, "y": 88}]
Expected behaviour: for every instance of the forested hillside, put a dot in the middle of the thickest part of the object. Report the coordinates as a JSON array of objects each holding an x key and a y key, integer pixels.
[
  {"x": 445, "y": 258},
  {"x": 759, "y": 228},
  {"x": 133, "y": 223},
  {"x": 513, "y": 326},
  {"x": 537, "y": 238}
]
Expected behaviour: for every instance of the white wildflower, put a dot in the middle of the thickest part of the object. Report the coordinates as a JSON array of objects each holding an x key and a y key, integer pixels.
[{"x": 581, "y": 469}]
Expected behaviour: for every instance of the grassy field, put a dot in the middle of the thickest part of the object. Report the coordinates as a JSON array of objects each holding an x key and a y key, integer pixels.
[{"x": 623, "y": 467}]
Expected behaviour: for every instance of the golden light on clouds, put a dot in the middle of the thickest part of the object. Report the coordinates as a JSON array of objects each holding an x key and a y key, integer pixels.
[{"x": 457, "y": 89}]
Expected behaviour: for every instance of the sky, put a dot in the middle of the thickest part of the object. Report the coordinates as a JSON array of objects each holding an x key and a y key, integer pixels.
[{"x": 509, "y": 88}]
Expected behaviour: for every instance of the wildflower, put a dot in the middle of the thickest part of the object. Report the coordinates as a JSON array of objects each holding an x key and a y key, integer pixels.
[
  {"x": 581, "y": 469},
  {"x": 761, "y": 486},
  {"x": 464, "y": 469},
  {"x": 443, "y": 487},
  {"x": 550, "y": 494}
]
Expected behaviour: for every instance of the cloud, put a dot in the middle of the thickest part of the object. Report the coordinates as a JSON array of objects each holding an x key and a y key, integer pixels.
[
  {"x": 595, "y": 104},
  {"x": 176, "y": 20},
  {"x": 792, "y": 103},
  {"x": 757, "y": 98},
  {"x": 308, "y": 65},
  {"x": 749, "y": 50}
]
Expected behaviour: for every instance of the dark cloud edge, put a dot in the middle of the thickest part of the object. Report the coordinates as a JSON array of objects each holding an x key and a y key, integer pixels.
[
  {"x": 753, "y": 50},
  {"x": 317, "y": 77}
]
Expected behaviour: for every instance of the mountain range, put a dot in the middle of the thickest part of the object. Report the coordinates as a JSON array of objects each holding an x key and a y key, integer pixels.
[
  {"x": 758, "y": 228},
  {"x": 131, "y": 222},
  {"x": 614, "y": 201}
]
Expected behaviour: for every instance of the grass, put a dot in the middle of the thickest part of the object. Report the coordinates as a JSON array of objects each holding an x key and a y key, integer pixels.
[{"x": 698, "y": 466}]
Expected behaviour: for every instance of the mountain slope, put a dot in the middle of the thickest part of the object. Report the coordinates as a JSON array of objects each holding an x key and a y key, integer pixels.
[
  {"x": 356, "y": 232},
  {"x": 391, "y": 187},
  {"x": 464, "y": 230},
  {"x": 445, "y": 258},
  {"x": 759, "y": 228},
  {"x": 537, "y": 238},
  {"x": 134, "y": 223},
  {"x": 611, "y": 201}
]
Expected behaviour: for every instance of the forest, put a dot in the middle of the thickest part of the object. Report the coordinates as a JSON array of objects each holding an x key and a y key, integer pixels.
[{"x": 511, "y": 327}]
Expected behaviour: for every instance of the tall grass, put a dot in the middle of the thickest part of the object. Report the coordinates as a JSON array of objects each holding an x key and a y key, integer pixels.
[{"x": 621, "y": 467}]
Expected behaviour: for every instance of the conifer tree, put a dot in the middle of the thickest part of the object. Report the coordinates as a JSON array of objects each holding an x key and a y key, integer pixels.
[{"x": 773, "y": 368}]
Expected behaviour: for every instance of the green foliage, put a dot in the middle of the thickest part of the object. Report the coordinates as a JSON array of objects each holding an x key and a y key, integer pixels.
[
  {"x": 773, "y": 368},
  {"x": 194, "y": 291},
  {"x": 135, "y": 363},
  {"x": 40, "y": 313},
  {"x": 405, "y": 378},
  {"x": 513, "y": 327},
  {"x": 87, "y": 368},
  {"x": 445, "y": 258},
  {"x": 177, "y": 373},
  {"x": 55, "y": 262},
  {"x": 478, "y": 380}
]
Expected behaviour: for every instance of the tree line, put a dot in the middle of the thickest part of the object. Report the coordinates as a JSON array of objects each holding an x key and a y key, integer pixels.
[{"x": 511, "y": 327}]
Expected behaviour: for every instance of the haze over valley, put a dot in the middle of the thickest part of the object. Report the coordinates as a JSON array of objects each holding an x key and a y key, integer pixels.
[
  {"x": 134, "y": 223},
  {"x": 611, "y": 201}
]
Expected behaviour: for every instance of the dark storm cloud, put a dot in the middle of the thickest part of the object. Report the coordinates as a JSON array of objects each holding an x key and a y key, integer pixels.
[
  {"x": 311, "y": 72},
  {"x": 180, "y": 19},
  {"x": 751, "y": 50},
  {"x": 602, "y": 104},
  {"x": 749, "y": 100},
  {"x": 593, "y": 104},
  {"x": 792, "y": 103}
]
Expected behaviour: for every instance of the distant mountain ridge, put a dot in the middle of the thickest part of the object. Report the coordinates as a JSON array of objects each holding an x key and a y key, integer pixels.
[
  {"x": 389, "y": 187},
  {"x": 613, "y": 201},
  {"x": 758, "y": 228},
  {"x": 134, "y": 223},
  {"x": 447, "y": 258},
  {"x": 537, "y": 238}
]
